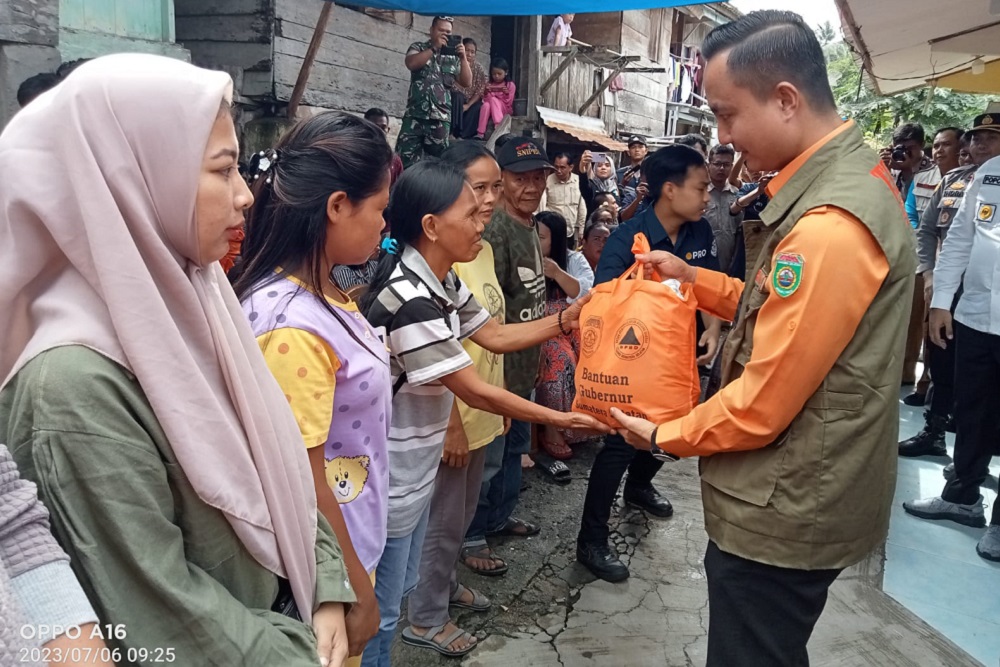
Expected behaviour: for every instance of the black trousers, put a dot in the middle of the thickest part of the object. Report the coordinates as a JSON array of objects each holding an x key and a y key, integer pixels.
[
  {"x": 609, "y": 467},
  {"x": 977, "y": 404},
  {"x": 942, "y": 367},
  {"x": 761, "y": 615}
]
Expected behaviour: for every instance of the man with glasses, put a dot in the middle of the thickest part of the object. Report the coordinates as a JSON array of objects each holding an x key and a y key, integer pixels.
[
  {"x": 434, "y": 71},
  {"x": 723, "y": 195}
]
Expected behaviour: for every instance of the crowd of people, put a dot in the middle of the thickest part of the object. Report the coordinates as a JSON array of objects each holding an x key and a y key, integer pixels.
[{"x": 256, "y": 410}]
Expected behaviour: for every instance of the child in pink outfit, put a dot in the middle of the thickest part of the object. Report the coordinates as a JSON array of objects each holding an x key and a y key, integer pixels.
[{"x": 498, "y": 100}]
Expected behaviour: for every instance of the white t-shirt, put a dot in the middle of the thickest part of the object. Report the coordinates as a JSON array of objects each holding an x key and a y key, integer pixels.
[{"x": 564, "y": 35}]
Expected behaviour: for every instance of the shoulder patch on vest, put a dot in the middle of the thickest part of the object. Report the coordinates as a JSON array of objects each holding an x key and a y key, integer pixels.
[
  {"x": 991, "y": 180},
  {"x": 787, "y": 275},
  {"x": 986, "y": 213}
]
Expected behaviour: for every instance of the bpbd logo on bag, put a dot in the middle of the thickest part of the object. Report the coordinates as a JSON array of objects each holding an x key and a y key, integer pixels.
[{"x": 631, "y": 340}]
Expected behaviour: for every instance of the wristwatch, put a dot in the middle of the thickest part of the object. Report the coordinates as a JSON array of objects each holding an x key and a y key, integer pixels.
[{"x": 659, "y": 454}]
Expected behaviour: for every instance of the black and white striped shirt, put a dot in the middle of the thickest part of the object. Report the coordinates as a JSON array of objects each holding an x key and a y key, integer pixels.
[{"x": 425, "y": 320}]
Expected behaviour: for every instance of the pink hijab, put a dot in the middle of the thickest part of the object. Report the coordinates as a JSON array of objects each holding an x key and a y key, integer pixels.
[{"x": 99, "y": 247}]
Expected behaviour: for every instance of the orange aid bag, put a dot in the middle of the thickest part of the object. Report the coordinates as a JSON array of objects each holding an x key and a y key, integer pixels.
[{"x": 638, "y": 348}]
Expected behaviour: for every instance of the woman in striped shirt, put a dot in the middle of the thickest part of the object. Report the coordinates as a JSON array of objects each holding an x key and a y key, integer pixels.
[{"x": 426, "y": 312}]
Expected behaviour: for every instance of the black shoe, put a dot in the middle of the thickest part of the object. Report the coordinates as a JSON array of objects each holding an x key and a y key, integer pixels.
[
  {"x": 649, "y": 499},
  {"x": 949, "y": 472},
  {"x": 601, "y": 561},
  {"x": 915, "y": 400},
  {"x": 929, "y": 442}
]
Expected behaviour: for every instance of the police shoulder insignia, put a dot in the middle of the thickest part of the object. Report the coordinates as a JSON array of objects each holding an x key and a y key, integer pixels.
[
  {"x": 991, "y": 180},
  {"x": 986, "y": 213},
  {"x": 787, "y": 274}
]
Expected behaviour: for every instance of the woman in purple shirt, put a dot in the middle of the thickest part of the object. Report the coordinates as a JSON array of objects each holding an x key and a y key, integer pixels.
[{"x": 319, "y": 203}]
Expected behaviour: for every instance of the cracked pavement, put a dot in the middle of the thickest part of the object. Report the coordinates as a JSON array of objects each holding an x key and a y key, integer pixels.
[{"x": 548, "y": 610}]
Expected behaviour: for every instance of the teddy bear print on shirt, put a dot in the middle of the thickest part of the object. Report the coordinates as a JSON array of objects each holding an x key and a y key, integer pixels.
[{"x": 347, "y": 476}]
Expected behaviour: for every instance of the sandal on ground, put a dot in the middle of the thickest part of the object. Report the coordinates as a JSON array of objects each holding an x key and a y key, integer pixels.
[
  {"x": 557, "y": 470},
  {"x": 479, "y": 601},
  {"x": 427, "y": 640},
  {"x": 484, "y": 553},
  {"x": 517, "y": 528},
  {"x": 557, "y": 450}
]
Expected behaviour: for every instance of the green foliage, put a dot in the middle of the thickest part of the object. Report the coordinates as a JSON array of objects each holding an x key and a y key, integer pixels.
[
  {"x": 826, "y": 33},
  {"x": 877, "y": 115}
]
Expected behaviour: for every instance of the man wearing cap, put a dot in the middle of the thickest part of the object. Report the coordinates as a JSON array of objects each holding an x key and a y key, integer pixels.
[
  {"x": 970, "y": 265},
  {"x": 426, "y": 125},
  {"x": 629, "y": 177},
  {"x": 517, "y": 256},
  {"x": 931, "y": 232},
  {"x": 563, "y": 196}
]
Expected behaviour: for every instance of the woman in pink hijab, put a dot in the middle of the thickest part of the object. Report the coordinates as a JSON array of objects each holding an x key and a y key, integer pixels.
[{"x": 134, "y": 394}]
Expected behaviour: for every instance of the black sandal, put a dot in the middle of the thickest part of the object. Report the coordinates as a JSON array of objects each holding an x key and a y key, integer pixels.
[{"x": 557, "y": 470}]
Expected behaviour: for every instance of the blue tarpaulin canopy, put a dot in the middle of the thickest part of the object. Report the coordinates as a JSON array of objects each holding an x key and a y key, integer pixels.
[{"x": 519, "y": 7}]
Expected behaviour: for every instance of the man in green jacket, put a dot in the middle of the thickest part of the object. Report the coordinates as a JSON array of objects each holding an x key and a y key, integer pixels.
[{"x": 798, "y": 448}]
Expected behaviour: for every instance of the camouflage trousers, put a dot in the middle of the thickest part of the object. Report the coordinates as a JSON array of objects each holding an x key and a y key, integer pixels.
[{"x": 418, "y": 137}]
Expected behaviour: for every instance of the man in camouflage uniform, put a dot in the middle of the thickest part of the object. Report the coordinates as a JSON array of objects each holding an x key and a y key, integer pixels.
[{"x": 427, "y": 123}]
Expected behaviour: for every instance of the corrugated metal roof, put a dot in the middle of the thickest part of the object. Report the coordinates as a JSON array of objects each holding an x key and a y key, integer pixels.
[
  {"x": 584, "y": 128},
  {"x": 905, "y": 44}
]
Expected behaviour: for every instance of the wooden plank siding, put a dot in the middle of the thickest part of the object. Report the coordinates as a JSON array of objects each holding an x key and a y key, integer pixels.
[
  {"x": 360, "y": 64},
  {"x": 572, "y": 88},
  {"x": 642, "y": 107},
  {"x": 30, "y": 22},
  {"x": 600, "y": 29},
  {"x": 231, "y": 35},
  {"x": 262, "y": 43}
]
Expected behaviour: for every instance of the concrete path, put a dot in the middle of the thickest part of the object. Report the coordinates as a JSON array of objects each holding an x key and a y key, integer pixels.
[{"x": 548, "y": 610}]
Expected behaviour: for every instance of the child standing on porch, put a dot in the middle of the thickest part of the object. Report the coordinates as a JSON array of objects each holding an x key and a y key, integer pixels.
[{"x": 498, "y": 100}]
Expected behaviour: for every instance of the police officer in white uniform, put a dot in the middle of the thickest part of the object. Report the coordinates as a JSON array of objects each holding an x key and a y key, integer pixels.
[{"x": 971, "y": 255}]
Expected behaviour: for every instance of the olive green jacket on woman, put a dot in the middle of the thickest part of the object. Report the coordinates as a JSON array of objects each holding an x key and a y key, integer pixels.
[{"x": 155, "y": 560}]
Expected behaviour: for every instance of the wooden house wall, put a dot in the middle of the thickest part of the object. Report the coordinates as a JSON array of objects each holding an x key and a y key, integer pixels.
[
  {"x": 262, "y": 44},
  {"x": 600, "y": 29},
  {"x": 360, "y": 64},
  {"x": 642, "y": 107},
  {"x": 573, "y": 86},
  {"x": 232, "y": 35}
]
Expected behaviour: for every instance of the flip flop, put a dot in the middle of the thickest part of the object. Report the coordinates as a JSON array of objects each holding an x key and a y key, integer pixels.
[
  {"x": 479, "y": 601},
  {"x": 560, "y": 452},
  {"x": 427, "y": 640},
  {"x": 517, "y": 528},
  {"x": 557, "y": 470},
  {"x": 483, "y": 553}
]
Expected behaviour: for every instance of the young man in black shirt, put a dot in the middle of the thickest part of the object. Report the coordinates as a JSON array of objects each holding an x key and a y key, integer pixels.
[{"x": 678, "y": 184}]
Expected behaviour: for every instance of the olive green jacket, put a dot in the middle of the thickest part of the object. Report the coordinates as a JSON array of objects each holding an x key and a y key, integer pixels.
[
  {"x": 819, "y": 496},
  {"x": 152, "y": 557}
]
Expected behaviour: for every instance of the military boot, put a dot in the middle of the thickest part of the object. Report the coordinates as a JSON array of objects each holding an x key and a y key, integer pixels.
[{"x": 930, "y": 441}]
